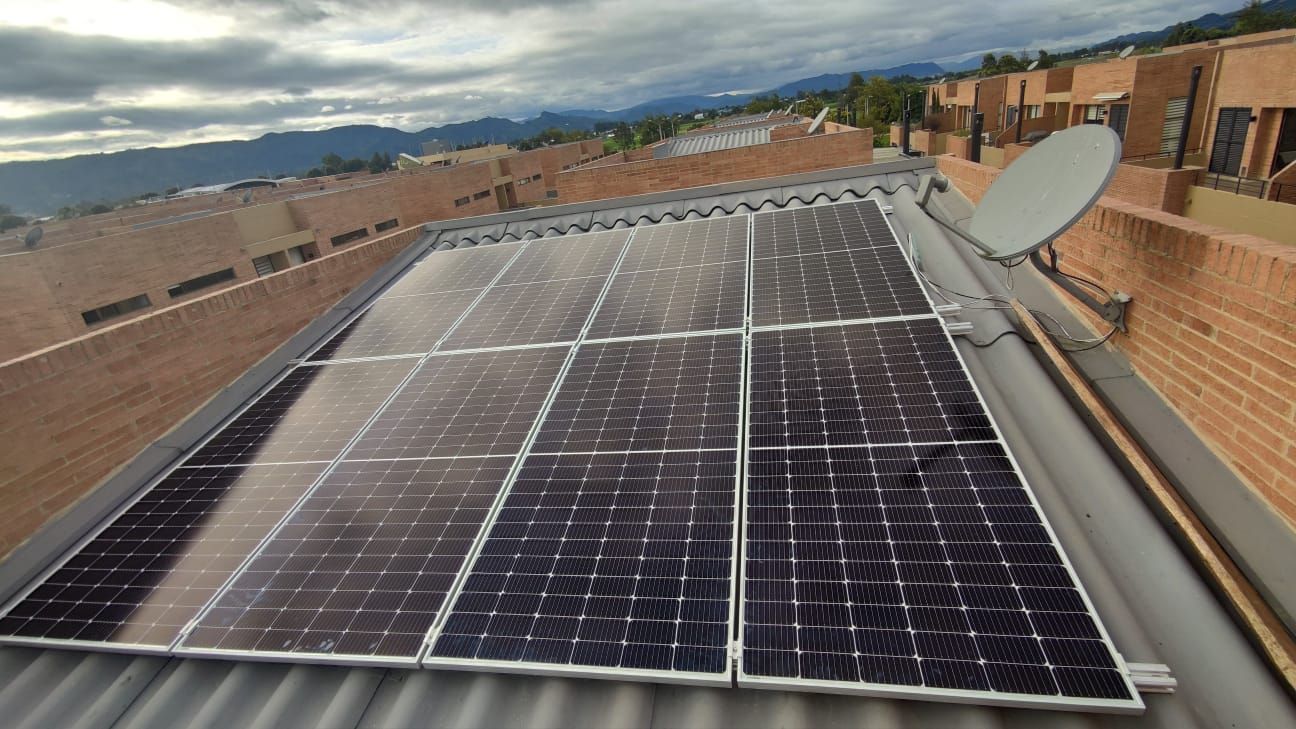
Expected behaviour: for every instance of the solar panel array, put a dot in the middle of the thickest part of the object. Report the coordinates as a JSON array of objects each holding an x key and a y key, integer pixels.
[{"x": 538, "y": 457}]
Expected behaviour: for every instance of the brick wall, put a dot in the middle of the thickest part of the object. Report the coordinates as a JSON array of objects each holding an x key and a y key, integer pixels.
[
  {"x": 76, "y": 412},
  {"x": 525, "y": 166},
  {"x": 958, "y": 146},
  {"x": 1259, "y": 78},
  {"x": 45, "y": 290},
  {"x": 1158, "y": 79},
  {"x": 1212, "y": 327},
  {"x": 822, "y": 151},
  {"x": 1159, "y": 189},
  {"x": 790, "y": 131}
]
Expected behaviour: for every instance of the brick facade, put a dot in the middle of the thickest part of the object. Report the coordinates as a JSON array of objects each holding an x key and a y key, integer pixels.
[
  {"x": 76, "y": 412},
  {"x": 45, "y": 290},
  {"x": 822, "y": 151},
  {"x": 1212, "y": 327}
]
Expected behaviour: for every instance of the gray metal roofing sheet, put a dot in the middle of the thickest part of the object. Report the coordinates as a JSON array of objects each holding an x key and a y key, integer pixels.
[
  {"x": 1148, "y": 594},
  {"x": 680, "y": 146}
]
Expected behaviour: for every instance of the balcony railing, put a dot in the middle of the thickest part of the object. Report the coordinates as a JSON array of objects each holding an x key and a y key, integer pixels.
[{"x": 1248, "y": 186}]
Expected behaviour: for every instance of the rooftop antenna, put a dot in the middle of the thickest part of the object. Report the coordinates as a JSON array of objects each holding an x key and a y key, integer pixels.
[
  {"x": 1032, "y": 65},
  {"x": 1037, "y": 199},
  {"x": 1126, "y": 51},
  {"x": 818, "y": 121},
  {"x": 33, "y": 236}
]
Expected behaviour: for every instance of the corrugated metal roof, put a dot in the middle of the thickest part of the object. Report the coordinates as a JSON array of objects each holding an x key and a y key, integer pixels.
[
  {"x": 680, "y": 146},
  {"x": 734, "y": 121},
  {"x": 1149, "y": 596}
]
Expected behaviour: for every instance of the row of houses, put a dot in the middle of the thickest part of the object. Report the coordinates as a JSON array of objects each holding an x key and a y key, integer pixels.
[{"x": 1243, "y": 123}]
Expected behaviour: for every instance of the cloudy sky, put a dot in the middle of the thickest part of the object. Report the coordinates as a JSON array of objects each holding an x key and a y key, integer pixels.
[{"x": 102, "y": 75}]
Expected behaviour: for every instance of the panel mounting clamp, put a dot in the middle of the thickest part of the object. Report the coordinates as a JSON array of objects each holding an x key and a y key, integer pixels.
[{"x": 1152, "y": 678}]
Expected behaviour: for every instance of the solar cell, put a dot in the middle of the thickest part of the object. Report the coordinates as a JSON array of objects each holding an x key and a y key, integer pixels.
[
  {"x": 153, "y": 568},
  {"x": 401, "y": 325},
  {"x": 721, "y": 239},
  {"x": 471, "y": 404},
  {"x": 361, "y": 569},
  {"x": 468, "y": 268},
  {"x": 529, "y": 313},
  {"x": 310, "y": 415},
  {"x": 568, "y": 256},
  {"x": 867, "y": 383},
  {"x": 685, "y": 299},
  {"x": 647, "y": 394},
  {"x": 914, "y": 570},
  {"x": 607, "y": 561}
]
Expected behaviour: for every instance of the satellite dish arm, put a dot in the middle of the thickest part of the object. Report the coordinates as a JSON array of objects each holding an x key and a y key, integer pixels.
[{"x": 940, "y": 183}]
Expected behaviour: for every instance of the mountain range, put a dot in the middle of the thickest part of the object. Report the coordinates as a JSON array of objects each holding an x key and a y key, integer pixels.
[{"x": 43, "y": 186}]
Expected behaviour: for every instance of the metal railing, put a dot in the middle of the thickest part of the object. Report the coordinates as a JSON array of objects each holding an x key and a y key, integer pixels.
[
  {"x": 1248, "y": 186},
  {"x": 1154, "y": 155}
]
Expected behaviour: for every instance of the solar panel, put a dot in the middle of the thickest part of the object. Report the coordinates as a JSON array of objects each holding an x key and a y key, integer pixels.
[
  {"x": 647, "y": 394},
  {"x": 472, "y": 404},
  {"x": 468, "y": 268},
  {"x": 715, "y": 240},
  {"x": 310, "y": 415},
  {"x": 821, "y": 229},
  {"x": 868, "y": 383},
  {"x": 914, "y": 570},
  {"x": 830, "y": 263},
  {"x": 868, "y": 284},
  {"x": 685, "y": 299},
  {"x": 361, "y": 569},
  {"x": 401, "y": 325},
  {"x": 616, "y": 564},
  {"x": 891, "y": 545},
  {"x": 569, "y": 256},
  {"x": 529, "y": 313},
  {"x": 152, "y": 569}
]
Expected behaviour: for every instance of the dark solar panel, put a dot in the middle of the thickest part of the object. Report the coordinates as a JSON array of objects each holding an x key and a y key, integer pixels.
[
  {"x": 531, "y": 313},
  {"x": 468, "y": 268},
  {"x": 310, "y": 415},
  {"x": 403, "y": 325},
  {"x": 150, "y": 572},
  {"x": 620, "y": 561},
  {"x": 569, "y": 256},
  {"x": 926, "y": 567},
  {"x": 716, "y": 240},
  {"x": 649, "y": 394},
  {"x": 830, "y": 263},
  {"x": 820, "y": 229},
  {"x": 685, "y": 299},
  {"x": 472, "y": 404},
  {"x": 363, "y": 567},
  {"x": 868, "y": 283},
  {"x": 875, "y": 383}
]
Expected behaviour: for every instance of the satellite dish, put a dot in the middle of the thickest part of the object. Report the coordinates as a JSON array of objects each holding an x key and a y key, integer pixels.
[
  {"x": 1032, "y": 65},
  {"x": 33, "y": 236},
  {"x": 1125, "y": 52},
  {"x": 942, "y": 79},
  {"x": 247, "y": 197},
  {"x": 1039, "y": 196},
  {"x": 818, "y": 121}
]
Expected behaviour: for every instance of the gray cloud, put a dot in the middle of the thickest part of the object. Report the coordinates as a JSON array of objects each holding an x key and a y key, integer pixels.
[{"x": 456, "y": 60}]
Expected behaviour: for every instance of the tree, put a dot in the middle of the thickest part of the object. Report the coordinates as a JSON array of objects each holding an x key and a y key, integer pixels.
[
  {"x": 332, "y": 163},
  {"x": 1008, "y": 63},
  {"x": 316, "y": 172},
  {"x": 9, "y": 220},
  {"x": 761, "y": 104},
  {"x": 989, "y": 64},
  {"x": 811, "y": 106},
  {"x": 623, "y": 135},
  {"x": 99, "y": 209},
  {"x": 355, "y": 164},
  {"x": 1253, "y": 18},
  {"x": 1045, "y": 60},
  {"x": 376, "y": 164}
]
